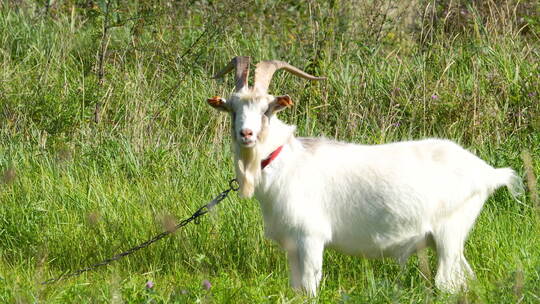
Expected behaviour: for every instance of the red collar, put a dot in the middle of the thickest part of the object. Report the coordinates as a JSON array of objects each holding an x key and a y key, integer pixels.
[{"x": 270, "y": 157}]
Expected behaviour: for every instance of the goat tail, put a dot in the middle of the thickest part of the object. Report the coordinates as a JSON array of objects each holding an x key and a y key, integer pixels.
[{"x": 509, "y": 178}]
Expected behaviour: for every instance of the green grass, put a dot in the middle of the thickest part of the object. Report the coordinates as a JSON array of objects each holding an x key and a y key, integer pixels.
[{"x": 74, "y": 192}]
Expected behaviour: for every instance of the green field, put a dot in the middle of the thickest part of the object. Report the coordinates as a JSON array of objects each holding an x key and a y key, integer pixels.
[{"x": 106, "y": 140}]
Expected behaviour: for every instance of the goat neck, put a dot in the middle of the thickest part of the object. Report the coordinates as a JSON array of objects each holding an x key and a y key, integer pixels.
[{"x": 279, "y": 134}]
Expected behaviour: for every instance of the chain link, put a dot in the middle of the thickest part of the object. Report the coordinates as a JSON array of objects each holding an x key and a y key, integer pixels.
[{"x": 233, "y": 186}]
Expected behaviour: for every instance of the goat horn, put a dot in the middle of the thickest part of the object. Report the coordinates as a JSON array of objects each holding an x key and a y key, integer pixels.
[
  {"x": 241, "y": 63},
  {"x": 266, "y": 69}
]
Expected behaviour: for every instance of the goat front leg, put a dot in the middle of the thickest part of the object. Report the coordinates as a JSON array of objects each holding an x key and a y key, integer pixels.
[{"x": 305, "y": 263}]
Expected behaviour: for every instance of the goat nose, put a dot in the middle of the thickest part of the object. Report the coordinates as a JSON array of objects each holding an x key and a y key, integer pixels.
[{"x": 246, "y": 133}]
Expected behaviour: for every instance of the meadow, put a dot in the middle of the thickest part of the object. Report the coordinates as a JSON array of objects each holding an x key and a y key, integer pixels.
[{"x": 106, "y": 140}]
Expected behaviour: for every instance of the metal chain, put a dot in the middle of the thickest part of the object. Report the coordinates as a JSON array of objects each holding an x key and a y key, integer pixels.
[{"x": 233, "y": 186}]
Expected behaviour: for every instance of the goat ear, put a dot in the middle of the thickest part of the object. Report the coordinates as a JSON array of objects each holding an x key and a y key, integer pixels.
[
  {"x": 218, "y": 103},
  {"x": 279, "y": 103}
]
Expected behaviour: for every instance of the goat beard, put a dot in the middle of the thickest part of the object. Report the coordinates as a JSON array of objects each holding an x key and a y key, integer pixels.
[
  {"x": 248, "y": 169},
  {"x": 248, "y": 162}
]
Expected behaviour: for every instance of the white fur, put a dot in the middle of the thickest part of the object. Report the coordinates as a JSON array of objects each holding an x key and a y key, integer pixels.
[{"x": 373, "y": 201}]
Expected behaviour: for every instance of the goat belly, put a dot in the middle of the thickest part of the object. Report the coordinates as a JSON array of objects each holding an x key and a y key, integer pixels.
[{"x": 379, "y": 210}]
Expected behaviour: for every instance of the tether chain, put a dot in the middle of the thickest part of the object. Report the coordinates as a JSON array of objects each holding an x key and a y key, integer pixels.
[{"x": 233, "y": 186}]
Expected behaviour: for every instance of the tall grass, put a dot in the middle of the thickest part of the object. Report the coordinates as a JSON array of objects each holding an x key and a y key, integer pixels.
[{"x": 76, "y": 188}]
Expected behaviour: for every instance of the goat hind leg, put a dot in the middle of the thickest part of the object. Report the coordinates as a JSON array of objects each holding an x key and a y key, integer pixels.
[{"x": 454, "y": 270}]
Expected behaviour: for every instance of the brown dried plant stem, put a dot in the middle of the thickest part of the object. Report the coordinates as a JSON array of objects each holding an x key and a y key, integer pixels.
[
  {"x": 101, "y": 59},
  {"x": 531, "y": 179}
]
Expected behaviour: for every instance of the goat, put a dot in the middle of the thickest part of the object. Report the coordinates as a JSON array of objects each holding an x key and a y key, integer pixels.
[{"x": 385, "y": 200}]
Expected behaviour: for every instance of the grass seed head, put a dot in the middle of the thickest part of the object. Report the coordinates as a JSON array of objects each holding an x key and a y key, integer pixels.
[{"x": 9, "y": 175}]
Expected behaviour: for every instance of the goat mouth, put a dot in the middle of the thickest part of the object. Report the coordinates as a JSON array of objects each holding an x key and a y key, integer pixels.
[{"x": 247, "y": 143}]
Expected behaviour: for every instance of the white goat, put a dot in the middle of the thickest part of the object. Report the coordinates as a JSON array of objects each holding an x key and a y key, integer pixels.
[{"x": 374, "y": 201}]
